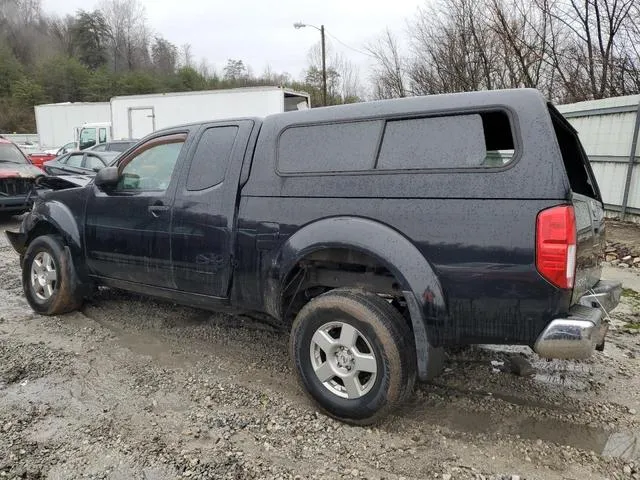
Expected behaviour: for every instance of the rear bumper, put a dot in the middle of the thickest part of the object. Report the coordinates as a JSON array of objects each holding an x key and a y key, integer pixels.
[{"x": 579, "y": 333}]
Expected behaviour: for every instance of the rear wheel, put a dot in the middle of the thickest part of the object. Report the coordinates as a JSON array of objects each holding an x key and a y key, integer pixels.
[
  {"x": 48, "y": 278},
  {"x": 354, "y": 354}
]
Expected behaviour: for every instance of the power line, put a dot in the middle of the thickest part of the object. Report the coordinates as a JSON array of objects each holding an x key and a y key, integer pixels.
[{"x": 348, "y": 46}]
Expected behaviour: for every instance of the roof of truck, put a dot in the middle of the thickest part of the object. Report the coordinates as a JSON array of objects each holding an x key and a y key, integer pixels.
[{"x": 415, "y": 105}]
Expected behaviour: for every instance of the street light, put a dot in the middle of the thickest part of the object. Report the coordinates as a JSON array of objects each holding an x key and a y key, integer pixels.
[{"x": 324, "y": 65}]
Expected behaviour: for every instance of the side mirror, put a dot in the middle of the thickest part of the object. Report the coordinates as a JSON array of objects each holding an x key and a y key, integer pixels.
[{"x": 107, "y": 177}]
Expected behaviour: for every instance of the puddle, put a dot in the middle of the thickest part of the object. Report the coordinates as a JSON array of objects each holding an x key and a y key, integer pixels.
[
  {"x": 147, "y": 345},
  {"x": 624, "y": 445}
]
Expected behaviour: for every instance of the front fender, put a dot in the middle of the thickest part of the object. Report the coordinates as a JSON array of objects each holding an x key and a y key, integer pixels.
[
  {"x": 58, "y": 216},
  {"x": 396, "y": 252}
]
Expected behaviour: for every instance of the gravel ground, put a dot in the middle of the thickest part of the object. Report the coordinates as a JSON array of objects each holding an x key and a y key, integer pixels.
[{"x": 133, "y": 388}]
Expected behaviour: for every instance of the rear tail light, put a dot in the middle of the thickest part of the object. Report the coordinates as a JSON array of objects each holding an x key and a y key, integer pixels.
[{"x": 556, "y": 245}]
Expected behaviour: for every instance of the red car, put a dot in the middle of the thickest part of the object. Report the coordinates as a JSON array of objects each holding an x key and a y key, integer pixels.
[
  {"x": 38, "y": 159},
  {"x": 17, "y": 175}
]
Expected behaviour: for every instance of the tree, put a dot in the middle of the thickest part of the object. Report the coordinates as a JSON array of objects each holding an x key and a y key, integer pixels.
[
  {"x": 235, "y": 70},
  {"x": 61, "y": 31},
  {"x": 597, "y": 37},
  {"x": 129, "y": 36},
  {"x": 191, "y": 80},
  {"x": 187, "y": 56},
  {"x": 90, "y": 34},
  {"x": 64, "y": 79},
  {"x": 571, "y": 50},
  {"x": 27, "y": 92},
  {"x": 343, "y": 83},
  {"x": 389, "y": 75},
  {"x": 10, "y": 71},
  {"x": 137, "y": 83},
  {"x": 164, "y": 55}
]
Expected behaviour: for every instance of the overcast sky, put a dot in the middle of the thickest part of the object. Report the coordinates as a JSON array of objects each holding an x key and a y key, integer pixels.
[{"x": 261, "y": 33}]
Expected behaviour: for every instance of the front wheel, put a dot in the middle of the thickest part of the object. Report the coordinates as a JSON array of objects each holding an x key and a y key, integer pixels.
[
  {"x": 354, "y": 354},
  {"x": 48, "y": 277}
]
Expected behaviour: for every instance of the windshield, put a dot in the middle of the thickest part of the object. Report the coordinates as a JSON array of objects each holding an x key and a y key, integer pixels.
[
  {"x": 10, "y": 153},
  {"x": 87, "y": 138}
]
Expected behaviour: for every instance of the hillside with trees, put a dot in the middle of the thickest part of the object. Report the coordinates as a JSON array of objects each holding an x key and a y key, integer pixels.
[{"x": 94, "y": 55}]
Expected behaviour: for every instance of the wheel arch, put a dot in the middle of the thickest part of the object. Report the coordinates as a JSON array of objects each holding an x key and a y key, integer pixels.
[
  {"x": 418, "y": 281},
  {"x": 54, "y": 218}
]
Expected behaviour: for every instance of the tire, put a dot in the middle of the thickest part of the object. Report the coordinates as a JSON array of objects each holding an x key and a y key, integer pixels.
[
  {"x": 49, "y": 278},
  {"x": 343, "y": 335}
]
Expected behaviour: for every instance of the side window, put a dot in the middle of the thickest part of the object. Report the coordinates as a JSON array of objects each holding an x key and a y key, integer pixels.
[
  {"x": 478, "y": 140},
  {"x": 151, "y": 169},
  {"x": 75, "y": 160},
  {"x": 102, "y": 135},
  {"x": 211, "y": 158},
  {"x": 336, "y": 147},
  {"x": 92, "y": 162},
  {"x": 458, "y": 141}
]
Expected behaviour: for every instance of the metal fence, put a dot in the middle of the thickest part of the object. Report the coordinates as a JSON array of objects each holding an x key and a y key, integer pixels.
[{"x": 608, "y": 130}]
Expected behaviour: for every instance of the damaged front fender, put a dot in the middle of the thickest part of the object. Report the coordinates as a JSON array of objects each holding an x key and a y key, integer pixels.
[{"x": 18, "y": 241}]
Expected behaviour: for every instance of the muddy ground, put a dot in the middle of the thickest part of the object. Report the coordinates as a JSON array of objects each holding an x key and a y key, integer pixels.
[{"x": 133, "y": 388}]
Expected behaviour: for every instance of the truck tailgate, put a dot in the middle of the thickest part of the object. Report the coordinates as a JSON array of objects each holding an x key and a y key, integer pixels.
[{"x": 590, "y": 243}]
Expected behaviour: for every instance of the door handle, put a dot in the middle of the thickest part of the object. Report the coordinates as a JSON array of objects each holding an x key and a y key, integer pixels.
[{"x": 157, "y": 210}]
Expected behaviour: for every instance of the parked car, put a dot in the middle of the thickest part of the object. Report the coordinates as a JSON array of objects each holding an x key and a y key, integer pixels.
[
  {"x": 83, "y": 163},
  {"x": 16, "y": 178},
  {"x": 378, "y": 232},
  {"x": 114, "y": 146},
  {"x": 66, "y": 148},
  {"x": 40, "y": 158}
]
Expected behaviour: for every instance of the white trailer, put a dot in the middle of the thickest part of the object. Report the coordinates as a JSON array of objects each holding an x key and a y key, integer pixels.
[
  {"x": 59, "y": 123},
  {"x": 138, "y": 115}
]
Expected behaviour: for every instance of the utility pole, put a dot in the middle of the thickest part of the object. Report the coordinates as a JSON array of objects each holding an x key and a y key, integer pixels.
[
  {"x": 324, "y": 58},
  {"x": 324, "y": 69}
]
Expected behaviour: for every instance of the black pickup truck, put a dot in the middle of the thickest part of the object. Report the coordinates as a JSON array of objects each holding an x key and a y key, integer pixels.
[{"x": 380, "y": 232}]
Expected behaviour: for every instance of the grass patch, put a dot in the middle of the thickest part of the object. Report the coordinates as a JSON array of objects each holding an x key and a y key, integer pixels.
[{"x": 633, "y": 326}]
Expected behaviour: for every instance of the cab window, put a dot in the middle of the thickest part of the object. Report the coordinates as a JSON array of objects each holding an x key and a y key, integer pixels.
[{"x": 152, "y": 166}]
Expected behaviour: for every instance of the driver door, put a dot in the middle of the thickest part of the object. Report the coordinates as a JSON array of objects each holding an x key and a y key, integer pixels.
[{"x": 127, "y": 226}]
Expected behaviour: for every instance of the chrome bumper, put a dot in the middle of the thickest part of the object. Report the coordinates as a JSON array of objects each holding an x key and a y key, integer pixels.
[
  {"x": 582, "y": 331},
  {"x": 605, "y": 295}
]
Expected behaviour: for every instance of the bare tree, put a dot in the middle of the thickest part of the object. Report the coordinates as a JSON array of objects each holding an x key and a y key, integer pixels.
[
  {"x": 596, "y": 38},
  {"x": 129, "y": 34},
  {"x": 25, "y": 29},
  {"x": 62, "y": 33},
  {"x": 187, "y": 55},
  {"x": 570, "y": 49},
  {"x": 389, "y": 75},
  {"x": 454, "y": 50},
  {"x": 343, "y": 80}
]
